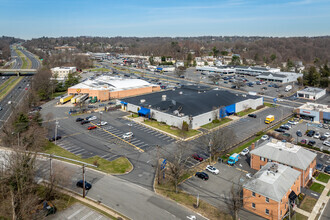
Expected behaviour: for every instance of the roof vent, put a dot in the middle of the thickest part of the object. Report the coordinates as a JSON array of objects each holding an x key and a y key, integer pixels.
[
  {"x": 142, "y": 101},
  {"x": 163, "y": 97},
  {"x": 244, "y": 95},
  {"x": 180, "y": 92}
]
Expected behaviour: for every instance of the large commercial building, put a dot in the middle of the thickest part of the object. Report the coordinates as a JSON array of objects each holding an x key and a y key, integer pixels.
[
  {"x": 311, "y": 93},
  {"x": 272, "y": 190},
  {"x": 60, "y": 73},
  {"x": 106, "y": 88},
  {"x": 281, "y": 77},
  {"x": 255, "y": 70},
  {"x": 195, "y": 105},
  {"x": 314, "y": 112},
  {"x": 288, "y": 154}
]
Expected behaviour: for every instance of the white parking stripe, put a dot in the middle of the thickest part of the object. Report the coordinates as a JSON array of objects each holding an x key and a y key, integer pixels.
[
  {"x": 76, "y": 212},
  {"x": 99, "y": 217},
  {"x": 78, "y": 151},
  {"x": 88, "y": 214}
]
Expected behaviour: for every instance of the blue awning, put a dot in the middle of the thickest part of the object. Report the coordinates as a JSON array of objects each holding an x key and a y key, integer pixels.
[
  {"x": 144, "y": 112},
  {"x": 159, "y": 68},
  {"x": 122, "y": 102}
]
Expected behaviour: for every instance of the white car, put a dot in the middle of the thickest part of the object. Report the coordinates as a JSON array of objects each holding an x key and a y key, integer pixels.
[
  {"x": 317, "y": 135},
  {"x": 102, "y": 123},
  {"x": 326, "y": 143},
  {"x": 249, "y": 175},
  {"x": 127, "y": 135},
  {"x": 212, "y": 169},
  {"x": 293, "y": 122},
  {"x": 92, "y": 118},
  {"x": 245, "y": 152},
  {"x": 265, "y": 137},
  {"x": 327, "y": 134}
]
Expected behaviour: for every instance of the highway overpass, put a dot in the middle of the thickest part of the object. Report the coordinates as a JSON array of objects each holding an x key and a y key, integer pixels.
[{"x": 9, "y": 72}]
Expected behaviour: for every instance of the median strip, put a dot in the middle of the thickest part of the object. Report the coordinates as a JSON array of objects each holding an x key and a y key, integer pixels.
[{"x": 9, "y": 87}]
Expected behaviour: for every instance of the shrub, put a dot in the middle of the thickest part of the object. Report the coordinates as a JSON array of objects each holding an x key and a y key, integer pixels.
[
  {"x": 259, "y": 133},
  {"x": 96, "y": 163},
  {"x": 185, "y": 126},
  {"x": 215, "y": 121},
  {"x": 260, "y": 107}
]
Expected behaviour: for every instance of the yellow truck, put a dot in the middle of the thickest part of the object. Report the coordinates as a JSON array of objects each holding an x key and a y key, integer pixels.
[
  {"x": 66, "y": 99},
  {"x": 269, "y": 119}
]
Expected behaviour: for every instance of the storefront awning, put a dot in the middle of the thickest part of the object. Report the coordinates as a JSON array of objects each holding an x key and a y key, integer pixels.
[
  {"x": 122, "y": 102},
  {"x": 144, "y": 112}
]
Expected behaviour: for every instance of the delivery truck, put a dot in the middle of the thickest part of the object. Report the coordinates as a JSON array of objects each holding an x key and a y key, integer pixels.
[
  {"x": 269, "y": 119},
  {"x": 233, "y": 159},
  {"x": 66, "y": 99},
  {"x": 288, "y": 88}
]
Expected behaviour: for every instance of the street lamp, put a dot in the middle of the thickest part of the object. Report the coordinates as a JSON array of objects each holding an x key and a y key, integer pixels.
[
  {"x": 130, "y": 125},
  {"x": 101, "y": 113},
  {"x": 56, "y": 126}
]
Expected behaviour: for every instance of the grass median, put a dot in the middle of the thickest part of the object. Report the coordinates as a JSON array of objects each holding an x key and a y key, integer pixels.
[
  {"x": 118, "y": 166},
  {"x": 3, "y": 85},
  {"x": 5, "y": 91},
  {"x": 26, "y": 61},
  {"x": 215, "y": 123}
]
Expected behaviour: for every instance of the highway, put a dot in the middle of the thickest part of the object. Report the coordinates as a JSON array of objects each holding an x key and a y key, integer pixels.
[{"x": 17, "y": 94}]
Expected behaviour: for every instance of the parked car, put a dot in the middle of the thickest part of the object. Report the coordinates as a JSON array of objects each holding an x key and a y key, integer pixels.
[
  {"x": 127, "y": 135},
  {"x": 84, "y": 122},
  {"x": 79, "y": 119},
  {"x": 317, "y": 135},
  {"x": 293, "y": 122},
  {"x": 325, "y": 126},
  {"x": 311, "y": 143},
  {"x": 102, "y": 123},
  {"x": 304, "y": 141},
  {"x": 326, "y": 134},
  {"x": 326, "y": 143},
  {"x": 298, "y": 133},
  {"x": 202, "y": 175},
  {"x": 91, "y": 118},
  {"x": 212, "y": 169},
  {"x": 58, "y": 137},
  {"x": 279, "y": 130},
  {"x": 265, "y": 137},
  {"x": 319, "y": 167},
  {"x": 284, "y": 127},
  {"x": 245, "y": 152},
  {"x": 310, "y": 133},
  {"x": 91, "y": 127},
  {"x": 88, "y": 186},
  {"x": 327, "y": 169},
  {"x": 249, "y": 175},
  {"x": 197, "y": 157},
  {"x": 252, "y": 115},
  {"x": 323, "y": 138}
]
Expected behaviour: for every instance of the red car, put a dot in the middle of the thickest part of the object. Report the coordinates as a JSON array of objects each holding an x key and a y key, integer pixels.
[
  {"x": 91, "y": 127},
  {"x": 197, "y": 157},
  {"x": 303, "y": 141}
]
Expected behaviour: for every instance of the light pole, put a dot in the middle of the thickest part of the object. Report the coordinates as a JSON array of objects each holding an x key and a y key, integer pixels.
[
  {"x": 130, "y": 125},
  {"x": 56, "y": 126},
  {"x": 101, "y": 113}
]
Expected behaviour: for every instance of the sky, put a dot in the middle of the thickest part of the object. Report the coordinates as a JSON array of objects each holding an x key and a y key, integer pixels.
[{"x": 172, "y": 18}]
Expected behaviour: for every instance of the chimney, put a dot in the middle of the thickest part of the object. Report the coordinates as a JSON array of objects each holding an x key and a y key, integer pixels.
[{"x": 253, "y": 145}]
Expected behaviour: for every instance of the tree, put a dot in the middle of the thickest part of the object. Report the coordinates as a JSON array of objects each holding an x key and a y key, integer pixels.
[
  {"x": 217, "y": 142},
  {"x": 235, "y": 200},
  {"x": 235, "y": 60},
  {"x": 189, "y": 59},
  {"x": 151, "y": 60},
  {"x": 215, "y": 79},
  {"x": 180, "y": 71},
  {"x": 224, "y": 53},
  {"x": 272, "y": 57},
  {"x": 177, "y": 163},
  {"x": 238, "y": 84},
  {"x": 215, "y": 51}
]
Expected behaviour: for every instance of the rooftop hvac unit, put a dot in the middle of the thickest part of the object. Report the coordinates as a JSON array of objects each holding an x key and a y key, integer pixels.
[
  {"x": 176, "y": 112},
  {"x": 244, "y": 95},
  {"x": 142, "y": 101},
  {"x": 163, "y": 97},
  {"x": 180, "y": 92}
]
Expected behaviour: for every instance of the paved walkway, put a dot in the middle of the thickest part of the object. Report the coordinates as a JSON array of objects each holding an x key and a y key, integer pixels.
[
  {"x": 321, "y": 202},
  {"x": 303, "y": 212}
]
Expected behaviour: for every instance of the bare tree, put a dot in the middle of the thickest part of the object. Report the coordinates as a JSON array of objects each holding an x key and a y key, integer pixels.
[
  {"x": 180, "y": 71},
  {"x": 238, "y": 84},
  {"x": 177, "y": 163},
  {"x": 235, "y": 200},
  {"x": 217, "y": 142},
  {"x": 215, "y": 79}
]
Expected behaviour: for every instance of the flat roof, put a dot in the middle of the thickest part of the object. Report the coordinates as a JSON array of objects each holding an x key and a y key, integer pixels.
[
  {"x": 286, "y": 153},
  {"x": 311, "y": 90},
  {"x": 191, "y": 100},
  {"x": 273, "y": 183},
  {"x": 315, "y": 107}
]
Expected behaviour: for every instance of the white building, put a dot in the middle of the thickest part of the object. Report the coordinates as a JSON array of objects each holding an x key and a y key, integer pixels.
[
  {"x": 282, "y": 77},
  {"x": 311, "y": 93},
  {"x": 60, "y": 73},
  {"x": 255, "y": 70}
]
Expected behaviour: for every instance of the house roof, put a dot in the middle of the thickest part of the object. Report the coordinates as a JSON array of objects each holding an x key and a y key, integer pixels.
[
  {"x": 272, "y": 184},
  {"x": 190, "y": 100},
  {"x": 311, "y": 90},
  {"x": 285, "y": 153}
]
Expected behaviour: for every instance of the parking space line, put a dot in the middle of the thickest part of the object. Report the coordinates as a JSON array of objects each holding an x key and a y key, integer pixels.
[
  {"x": 88, "y": 214},
  {"x": 99, "y": 217},
  {"x": 78, "y": 151},
  {"x": 76, "y": 212}
]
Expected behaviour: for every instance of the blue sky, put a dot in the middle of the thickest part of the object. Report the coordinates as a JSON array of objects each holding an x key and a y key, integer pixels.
[{"x": 145, "y": 18}]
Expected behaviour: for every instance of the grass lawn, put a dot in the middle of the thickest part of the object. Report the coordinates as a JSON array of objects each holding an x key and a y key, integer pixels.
[
  {"x": 245, "y": 112},
  {"x": 3, "y": 85},
  {"x": 316, "y": 187},
  {"x": 55, "y": 94},
  {"x": 213, "y": 125},
  {"x": 298, "y": 216},
  {"x": 100, "y": 70},
  {"x": 308, "y": 204},
  {"x": 268, "y": 104},
  {"x": 26, "y": 61},
  {"x": 118, "y": 166},
  {"x": 167, "y": 128},
  {"x": 9, "y": 87},
  {"x": 133, "y": 115},
  {"x": 188, "y": 200},
  {"x": 323, "y": 177},
  {"x": 240, "y": 148},
  {"x": 328, "y": 193}
]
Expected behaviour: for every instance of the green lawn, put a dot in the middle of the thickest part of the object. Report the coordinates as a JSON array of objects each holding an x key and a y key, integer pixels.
[
  {"x": 213, "y": 125},
  {"x": 308, "y": 204},
  {"x": 323, "y": 177},
  {"x": 298, "y": 216},
  {"x": 26, "y": 61},
  {"x": 100, "y": 70},
  {"x": 3, "y": 85},
  {"x": 245, "y": 112},
  {"x": 9, "y": 87},
  {"x": 316, "y": 187},
  {"x": 118, "y": 166},
  {"x": 268, "y": 104},
  {"x": 55, "y": 94},
  {"x": 168, "y": 129}
]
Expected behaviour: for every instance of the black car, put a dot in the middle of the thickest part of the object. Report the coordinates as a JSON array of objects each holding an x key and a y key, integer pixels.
[
  {"x": 252, "y": 115},
  {"x": 233, "y": 87},
  {"x": 84, "y": 122},
  {"x": 299, "y": 134},
  {"x": 323, "y": 138},
  {"x": 202, "y": 175},
  {"x": 79, "y": 119},
  {"x": 88, "y": 186},
  {"x": 311, "y": 143},
  {"x": 58, "y": 137},
  {"x": 310, "y": 133},
  {"x": 279, "y": 130},
  {"x": 284, "y": 127},
  {"x": 319, "y": 167},
  {"x": 327, "y": 169}
]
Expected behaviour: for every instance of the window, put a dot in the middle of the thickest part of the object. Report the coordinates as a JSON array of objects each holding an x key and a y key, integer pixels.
[
  {"x": 260, "y": 166},
  {"x": 253, "y": 194},
  {"x": 267, "y": 211},
  {"x": 269, "y": 160},
  {"x": 262, "y": 158},
  {"x": 253, "y": 205},
  {"x": 267, "y": 199}
]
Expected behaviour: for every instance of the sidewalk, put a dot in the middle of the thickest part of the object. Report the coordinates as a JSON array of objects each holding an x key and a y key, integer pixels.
[
  {"x": 303, "y": 212},
  {"x": 321, "y": 202}
]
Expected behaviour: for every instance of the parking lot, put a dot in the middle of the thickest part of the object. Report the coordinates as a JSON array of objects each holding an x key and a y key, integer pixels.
[{"x": 216, "y": 189}]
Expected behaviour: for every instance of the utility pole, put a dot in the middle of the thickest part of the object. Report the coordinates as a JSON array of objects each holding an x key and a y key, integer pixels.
[
  {"x": 197, "y": 200},
  {"x": 50, "y": 168},
  {"x": 18, "y": 139},
  {"x": 56, "y": 126},
  {"x": 158, "y": 170},
  {"x": 83, "y": 180}
]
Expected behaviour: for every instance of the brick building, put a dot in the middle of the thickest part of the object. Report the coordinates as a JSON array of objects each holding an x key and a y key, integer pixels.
[
  {"x": 271, "y": 190},
  {"x": 288, "y": 154}
]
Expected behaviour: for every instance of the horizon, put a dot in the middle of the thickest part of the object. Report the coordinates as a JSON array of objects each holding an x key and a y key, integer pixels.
[{"x": 146, "y": 18}]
